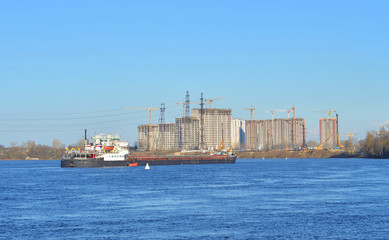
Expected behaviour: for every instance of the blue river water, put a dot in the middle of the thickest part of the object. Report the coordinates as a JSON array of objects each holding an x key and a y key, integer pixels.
[{"x": 251, "y": 199}]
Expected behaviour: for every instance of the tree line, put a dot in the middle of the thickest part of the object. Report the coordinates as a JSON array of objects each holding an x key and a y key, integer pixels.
[
  {"x": 32, "y": 150},
  {"x": 376, "y": 144}
]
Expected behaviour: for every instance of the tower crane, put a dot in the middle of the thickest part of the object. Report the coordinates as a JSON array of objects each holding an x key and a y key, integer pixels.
[
  {"x": 287, "y": 110},
  {"x": 349, "y": 136},
  {"x": 272, "y": 113},
  {"x": 279, "y": 110},
  {"x": 329, "y": 112},
  {"x": 150, "y": 109},
  {"x": 252, "y": 126},
  {"x": 209, "y": 101},
  {"x": 183, "y": 105},
  {"x": 294, "y": 125}
]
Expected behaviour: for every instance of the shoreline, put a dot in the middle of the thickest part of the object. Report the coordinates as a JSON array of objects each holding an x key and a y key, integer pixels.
[
  {"x": 298, "y": 154},
  {"x": 276, "y": 154}
]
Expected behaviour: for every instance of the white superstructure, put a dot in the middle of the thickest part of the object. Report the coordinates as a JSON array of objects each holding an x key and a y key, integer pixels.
[{"x": 107, "y": 147}]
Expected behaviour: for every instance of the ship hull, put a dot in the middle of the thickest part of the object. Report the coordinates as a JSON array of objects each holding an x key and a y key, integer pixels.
[
  {"x": 93, "y": 162},
  {"x": 152, "y": 161},
  {"x": 87, "y": 162}
]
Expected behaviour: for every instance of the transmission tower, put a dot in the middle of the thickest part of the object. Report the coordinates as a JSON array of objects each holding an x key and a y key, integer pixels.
[
  {"x": 162, "y": 114},
  {"x": 187, "y": 102}
]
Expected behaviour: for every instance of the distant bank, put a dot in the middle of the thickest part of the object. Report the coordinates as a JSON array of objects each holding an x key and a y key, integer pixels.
[
  {"x": 280, "y": 154},
  {"x": 298, "y": 154}
]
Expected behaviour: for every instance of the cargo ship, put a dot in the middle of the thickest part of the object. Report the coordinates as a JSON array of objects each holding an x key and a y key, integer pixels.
[{"x": 110, "y": 151}]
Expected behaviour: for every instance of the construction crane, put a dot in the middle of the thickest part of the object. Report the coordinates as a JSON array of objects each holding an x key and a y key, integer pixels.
[
  {"x": 294, "y": 125},
  {"x": 252, "y": 126},
  {"x": 337, "y": 125},
  {"x": 272, "y": 113},
  {"x": 322, "y": 144},
  {"x": 349, "y": 136},
  {"x": 222, "y": 145},
  {"x": 329, "y": 112},
  {"x": 183, "y": 105},
  {"x": 288, "y": 111},
  {"x": 349, "y": 139},
  {"x": 209, "y": 101},
  {"x": 150, "y": 109},
  {"x": 279, "y": 110},
  {"x": 339, "y": 144}
]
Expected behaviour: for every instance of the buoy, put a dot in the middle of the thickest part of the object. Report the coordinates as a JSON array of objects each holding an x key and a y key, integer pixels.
[{"x": 147, "y": 166}]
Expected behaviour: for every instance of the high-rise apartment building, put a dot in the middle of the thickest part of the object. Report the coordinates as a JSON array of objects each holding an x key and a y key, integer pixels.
[
  {"x": 274, "y": 134},
  {"x": 162, "y": 137},
  {"x": 238, "y": 129},
  {"x": 187, "y": 133},
  {"x": 328, "y": 132},
  {"x": 215, "y": 125}
]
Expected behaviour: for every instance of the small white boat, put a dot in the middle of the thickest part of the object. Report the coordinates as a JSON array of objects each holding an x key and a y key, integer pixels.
[{"x": 147, "y": 166}]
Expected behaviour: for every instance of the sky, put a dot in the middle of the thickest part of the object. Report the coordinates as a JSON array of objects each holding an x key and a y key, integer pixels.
[{"x": 66, "y": 66}]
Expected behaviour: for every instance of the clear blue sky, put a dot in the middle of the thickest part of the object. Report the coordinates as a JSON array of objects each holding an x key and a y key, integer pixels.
[{"x": 70, "y": 65}]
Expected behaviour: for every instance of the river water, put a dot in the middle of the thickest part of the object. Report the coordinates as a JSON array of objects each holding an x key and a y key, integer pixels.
[{"x": 252, "y": 199}]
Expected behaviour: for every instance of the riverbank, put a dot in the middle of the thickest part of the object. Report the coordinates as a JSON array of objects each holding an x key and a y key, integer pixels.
[
  {"x": 298, "y": 154},
  {"x": 273, "y": 154}
]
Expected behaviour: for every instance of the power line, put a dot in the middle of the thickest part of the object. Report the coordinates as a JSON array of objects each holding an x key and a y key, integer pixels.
[{"x": 70, "y": 118}]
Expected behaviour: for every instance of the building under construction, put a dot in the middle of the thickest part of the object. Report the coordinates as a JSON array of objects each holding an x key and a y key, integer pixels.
[
  {"x": 210, "y": 128},
  {"x": 274, "y": 134},
  {"x": 219, "y": 128},
  {"x": 215, "y": 127},
  {"x": 238, "y": 129},
  {"x": 328, "y": 133},
  {"x": 187, "y": 133},
  {"x": 162, "y": 137}
]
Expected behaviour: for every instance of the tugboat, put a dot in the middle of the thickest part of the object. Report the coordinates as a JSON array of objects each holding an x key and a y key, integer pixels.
[{"x": 102, "y": 151}]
